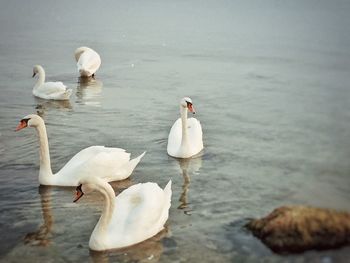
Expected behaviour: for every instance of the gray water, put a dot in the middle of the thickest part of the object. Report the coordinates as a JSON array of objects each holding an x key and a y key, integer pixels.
[{"x": 270, "y": 83}]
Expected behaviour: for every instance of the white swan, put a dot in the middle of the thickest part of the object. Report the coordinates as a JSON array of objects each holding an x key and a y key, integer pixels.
[
  {"x": 110, "y": 164},
  {"x": 88, "y": 61},
  {"x": 136, "y": 214},
  {"x": 185, "y": 137},
  {"x": 49, "y": 90}
]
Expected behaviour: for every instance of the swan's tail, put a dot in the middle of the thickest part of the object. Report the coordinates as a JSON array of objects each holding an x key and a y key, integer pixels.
[
  {"x": 135, "y": 161},
  {"x": 126, "y": 170},
  {"x": 167, "y": 191},
  {"x": 65, "y": 95},
  {"x": 167, "y": 203},
  {"x": 68, "y": 93}
]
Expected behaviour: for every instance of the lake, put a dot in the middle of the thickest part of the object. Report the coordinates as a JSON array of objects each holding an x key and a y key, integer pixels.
[{"x": 270, "y": 84}]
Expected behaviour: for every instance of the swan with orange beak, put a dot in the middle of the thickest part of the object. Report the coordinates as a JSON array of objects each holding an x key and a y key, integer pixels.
[
  {"x": 136, "y": 214},
  {"x": 109, "y": 164},
  {"x": 185, "y": 137}
]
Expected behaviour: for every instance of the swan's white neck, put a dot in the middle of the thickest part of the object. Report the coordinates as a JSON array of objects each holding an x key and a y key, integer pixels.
[
  {"x": 41, "y": 78},
  {"x": 45, "y": 173},
  {"x": 98, "y": 237},
  {"x": 184, "y": 137}
]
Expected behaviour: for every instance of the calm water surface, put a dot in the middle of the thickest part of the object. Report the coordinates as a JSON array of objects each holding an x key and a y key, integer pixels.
[{"x": 270, "y": 83}]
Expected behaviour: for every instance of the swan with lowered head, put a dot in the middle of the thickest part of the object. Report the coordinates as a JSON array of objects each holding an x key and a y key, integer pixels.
[
  {"x": 49, "y": 90},
  {"x": 185, "y": 137},
  {"x": 88, "y": 61},
  {"x": 136, "y": 214},
  {"x": 110, "y": 164}
]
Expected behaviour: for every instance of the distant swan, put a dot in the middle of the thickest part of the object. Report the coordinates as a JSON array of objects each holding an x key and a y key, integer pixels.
[
  {"x": 49, "y": 90},
  {"x": 88, "y": 61},
  {"x": 110, "y": 164},
  {"x": 136, "y": 214},
  {"x": 185, "y": 137}
]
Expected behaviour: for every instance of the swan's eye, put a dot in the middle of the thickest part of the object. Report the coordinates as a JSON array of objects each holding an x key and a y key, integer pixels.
[{"x": 189, "y": 104}]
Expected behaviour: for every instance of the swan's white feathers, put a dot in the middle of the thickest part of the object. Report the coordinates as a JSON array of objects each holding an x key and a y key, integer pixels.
[
  {"x": 49, "y": 90},
  {"x": 52, "y": 87},
  {"x": 88, "y": 61},
  {"x": 140, "y": 213},
  {"x": 52, "y": 90},
  {"x": 86, "y": 154},
  {"x": 195, "y": 135},
  {"x": 97, "y": 161},
  {"x": 175, "y": 136}
]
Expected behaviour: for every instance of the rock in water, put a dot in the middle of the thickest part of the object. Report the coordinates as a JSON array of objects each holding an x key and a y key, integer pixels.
[{"x": 300, "y": 228}]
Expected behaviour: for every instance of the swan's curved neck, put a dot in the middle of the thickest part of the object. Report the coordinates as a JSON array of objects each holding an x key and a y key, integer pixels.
[
  {"x": 184, "y": 139},
  {"x": 45, "y": 172},
  {"x": 100, "y": 230},
  {"x": 41, "y": 78}
]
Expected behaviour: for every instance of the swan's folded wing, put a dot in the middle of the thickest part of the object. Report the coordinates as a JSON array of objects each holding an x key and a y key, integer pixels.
[
  {"x": 175, "y": 136},
  {"x": 86, "y": 154},
  {"x": 50, "y": 88},
  {"x": 140, "y": 213},
  {"x": 103, "y": 164},
  {"x": 195, "y": 133},
  {"x": 89, "y": 61}
]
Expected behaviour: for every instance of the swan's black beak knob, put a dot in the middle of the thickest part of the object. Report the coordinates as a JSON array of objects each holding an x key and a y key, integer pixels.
[{"x": 79, "y": 193}]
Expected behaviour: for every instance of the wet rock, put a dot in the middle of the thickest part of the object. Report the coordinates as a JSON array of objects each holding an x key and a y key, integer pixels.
[{"x": 300, "y": 228}]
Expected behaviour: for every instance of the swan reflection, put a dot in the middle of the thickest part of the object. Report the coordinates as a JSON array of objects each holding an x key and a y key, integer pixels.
[
  {"x": 149, "y": 250},
  {"x": 42, "y": 237},
  {"x": 188, "y": 167},
  {"x": 44, "y": 105},
  {"x": 89, "y": 91}
]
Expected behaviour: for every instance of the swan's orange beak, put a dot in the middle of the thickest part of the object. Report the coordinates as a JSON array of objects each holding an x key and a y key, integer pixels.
[
  {"x": 191, "y": 108},
  {"x": 22, "y": 124},
  {"x": 79, "y": 193}
]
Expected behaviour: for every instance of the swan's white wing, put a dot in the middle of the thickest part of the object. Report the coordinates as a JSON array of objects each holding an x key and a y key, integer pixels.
[
  {"x": 195, "y": 134},
  {"x": 89, "y": 62},
  {"x": 105, "y": 165},
  {"x": 141, "y": 212},
  {"x": 174, "y": 138},
  {"x": 95, "y": 160},
  {"x": 52, "y": 90},
  {"x": 51, "y": 87}
]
